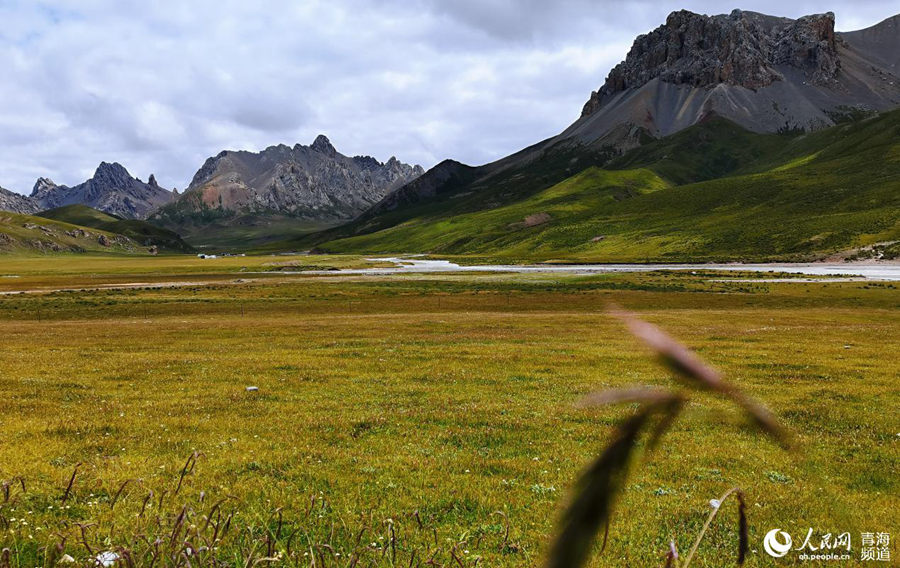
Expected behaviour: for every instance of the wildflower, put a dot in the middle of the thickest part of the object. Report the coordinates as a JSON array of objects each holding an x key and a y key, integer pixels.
[{"x": 107, "y": 558}]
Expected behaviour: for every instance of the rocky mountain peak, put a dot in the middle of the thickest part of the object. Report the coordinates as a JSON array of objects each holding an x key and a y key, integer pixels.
[
  {"x": 323, "y": 144},
  {"x": 112, "y": 175},
  {"x": 311, "y": 182},
  {"x": 43, "y": 187},
  {"x": 112, "y": 189},
  {"x": 741, "y": 49}
]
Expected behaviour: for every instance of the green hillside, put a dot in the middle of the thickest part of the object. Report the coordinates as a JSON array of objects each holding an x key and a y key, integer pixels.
[
  {"x": 142, "y": 232},
  {"x": 713, "y": 192},
  {"x": 30, "y": 234}
]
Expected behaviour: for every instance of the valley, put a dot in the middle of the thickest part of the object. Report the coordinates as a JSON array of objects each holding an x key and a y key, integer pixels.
[{"x": 568, "y": 355}]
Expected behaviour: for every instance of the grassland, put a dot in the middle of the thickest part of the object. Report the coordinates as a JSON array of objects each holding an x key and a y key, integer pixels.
[{"x": 423, "y": 414}]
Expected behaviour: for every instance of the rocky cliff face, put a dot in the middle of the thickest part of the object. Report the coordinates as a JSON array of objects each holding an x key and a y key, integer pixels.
[
  {"x": 766, "y": 73},
  {"x": 314, "y": 182},
  {"x": 11, "y": 201},
  {"x": 112, "y": 190},
  {"x": 742, "y": 49}
]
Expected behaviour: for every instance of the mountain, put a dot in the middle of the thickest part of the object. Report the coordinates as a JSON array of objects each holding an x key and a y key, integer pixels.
[
  {"x": 11, "y": 201},
  {"x": 312, "y": 183},
  {"x": 701, "y": 102},
  {"x": 141, "y": 232},
  {"x": 764, "y": 73},
  {"x": 112, "y": 190},
  {"x": 30, "y": 234},
  {"x": 714, "y": 191}
]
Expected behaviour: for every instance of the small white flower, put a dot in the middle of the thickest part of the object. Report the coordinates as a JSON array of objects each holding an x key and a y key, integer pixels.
[
  {"x": 107, "y": 559},
  {"x": 66, "y": 559},
  {"x": 715, "y": 503}
]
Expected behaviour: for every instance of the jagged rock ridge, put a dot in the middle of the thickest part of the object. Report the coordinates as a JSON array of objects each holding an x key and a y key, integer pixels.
[
  {"x": 314, "y": 182},
  {"x": 17, "y": 203},
  {"x": 112, "y": 190},
  {"x": 766, "y": 73},
  {"x": 742, "y": 49}
]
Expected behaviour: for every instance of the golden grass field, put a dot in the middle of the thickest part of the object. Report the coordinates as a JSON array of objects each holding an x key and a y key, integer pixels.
[{"x": 411, "y": 419}]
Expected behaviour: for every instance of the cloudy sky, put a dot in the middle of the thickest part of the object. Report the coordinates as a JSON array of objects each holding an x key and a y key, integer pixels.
[{"x": 160, "y": 86}]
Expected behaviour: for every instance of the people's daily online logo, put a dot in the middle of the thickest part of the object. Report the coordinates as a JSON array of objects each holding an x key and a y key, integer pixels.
[
  {"x": 875, "y": 546},
  {"x": 772, "y": 545}
]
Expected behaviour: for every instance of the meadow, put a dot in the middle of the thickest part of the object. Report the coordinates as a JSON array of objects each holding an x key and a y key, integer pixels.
[{"x": 420, "y": 419}]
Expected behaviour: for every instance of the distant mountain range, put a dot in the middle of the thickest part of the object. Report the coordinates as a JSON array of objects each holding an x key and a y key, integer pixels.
[
  {"x": 314, "y": 182},
  {"x": 304, "y": 186},
  {"x": 742, "y": 89},
  {"x": 111, "y": 190}
]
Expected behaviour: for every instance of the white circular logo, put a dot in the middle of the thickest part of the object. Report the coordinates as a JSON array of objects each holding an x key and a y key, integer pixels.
[{"x": 773, "y": 546}]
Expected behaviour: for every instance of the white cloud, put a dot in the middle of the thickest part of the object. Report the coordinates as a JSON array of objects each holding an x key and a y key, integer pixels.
[{"x": 160, "y": 86}]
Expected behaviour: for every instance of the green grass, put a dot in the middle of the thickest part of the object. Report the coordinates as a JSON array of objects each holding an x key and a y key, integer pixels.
[
  {"x": 27, "y": 234},
  {"x": 141, "y": 232},
  {"x": 712, "y": 149},
  {"x": 79, "y": 215},
  {"x": 781, "y": 198},
  {"x": 442, "y": 398}
]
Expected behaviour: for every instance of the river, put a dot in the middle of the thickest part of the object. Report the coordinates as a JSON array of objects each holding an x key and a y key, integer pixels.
[{"x": 873, "y": 271}]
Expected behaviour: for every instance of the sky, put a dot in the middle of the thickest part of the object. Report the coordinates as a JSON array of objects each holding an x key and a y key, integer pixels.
[{"x": 160, "y": 86}]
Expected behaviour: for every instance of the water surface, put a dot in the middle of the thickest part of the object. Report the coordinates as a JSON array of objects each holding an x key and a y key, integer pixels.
[{"x": 884, "y": 272}]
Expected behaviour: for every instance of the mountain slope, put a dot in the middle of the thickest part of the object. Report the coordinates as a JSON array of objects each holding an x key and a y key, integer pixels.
[
  {"x": 140, "y": 232},
  {"x": 314, "y": 184},
  {"x": 11, "y": 201},
  {"x": 112, "y": 190},
  {"x": 786, "y": 197},
  {"x": 30, "y": 234}
]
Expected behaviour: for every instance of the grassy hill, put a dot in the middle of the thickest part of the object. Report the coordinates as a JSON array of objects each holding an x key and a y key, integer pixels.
[
  {"x": 29, "y": 234},
  {"x": 141, "y": 232},
  {"x": 713, "y": 192}
]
